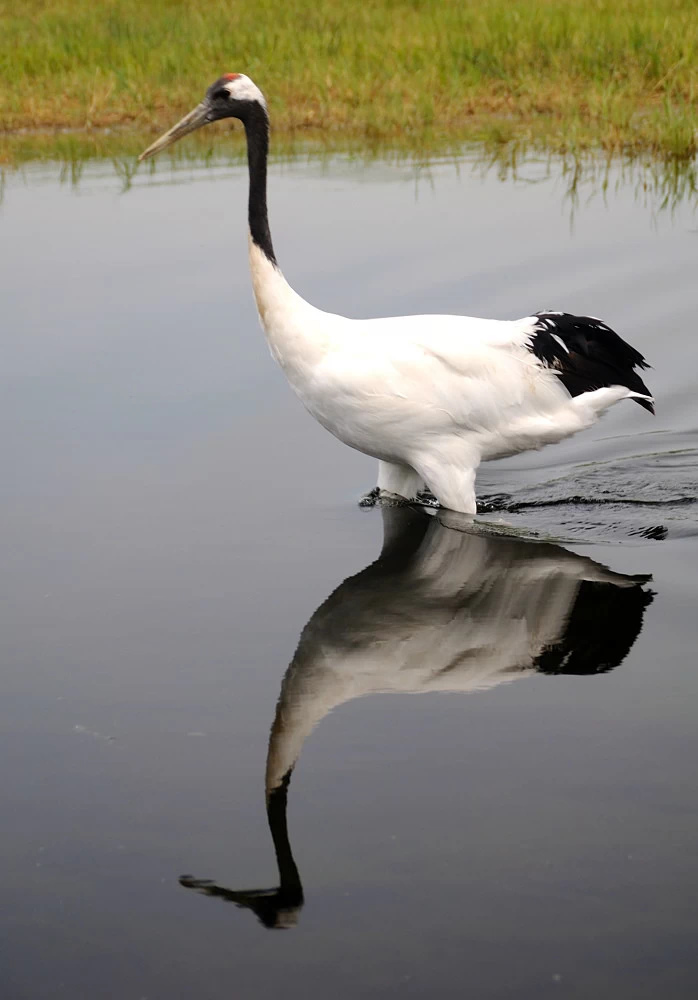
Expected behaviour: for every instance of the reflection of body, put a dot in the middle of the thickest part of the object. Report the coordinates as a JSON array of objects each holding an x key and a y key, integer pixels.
[{"x": 439, "y": 610}]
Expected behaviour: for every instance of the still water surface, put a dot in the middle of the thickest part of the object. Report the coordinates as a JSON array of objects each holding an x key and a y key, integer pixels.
[{"x": 187, "y": 569}]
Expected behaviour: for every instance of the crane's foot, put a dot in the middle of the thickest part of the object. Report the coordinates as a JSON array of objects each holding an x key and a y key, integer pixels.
[
  {"x": 485, "y": 505},
  {"x": 382, "y": 498},
  {"x": 371, "y": 498},
  {"x": 376, "y": 497},
  {"x": 427, "y": 499}
]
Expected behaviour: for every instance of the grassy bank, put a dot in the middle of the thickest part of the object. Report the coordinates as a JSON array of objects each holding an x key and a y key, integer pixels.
[{"x": 619, "y": 75}]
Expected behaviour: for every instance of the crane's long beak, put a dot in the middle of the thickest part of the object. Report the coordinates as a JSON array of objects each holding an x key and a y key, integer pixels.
[{"x": 195, "y": 119}]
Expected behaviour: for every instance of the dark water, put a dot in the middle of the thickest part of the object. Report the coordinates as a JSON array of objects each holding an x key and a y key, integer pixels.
[{"x": 174, "y": 522}]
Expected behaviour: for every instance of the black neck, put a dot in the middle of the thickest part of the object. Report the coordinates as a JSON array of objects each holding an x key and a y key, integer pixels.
[{"x": 256, "y": 124}]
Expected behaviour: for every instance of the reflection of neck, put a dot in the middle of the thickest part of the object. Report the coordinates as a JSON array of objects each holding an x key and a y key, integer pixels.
[
  {"x": 290, "y": 888},
  {"x": 257, "y": 132},
  {"x": 275, "y": 908}
]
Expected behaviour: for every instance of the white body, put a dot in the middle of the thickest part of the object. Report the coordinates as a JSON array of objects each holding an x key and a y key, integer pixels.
[{"x": 429, "y": 396}]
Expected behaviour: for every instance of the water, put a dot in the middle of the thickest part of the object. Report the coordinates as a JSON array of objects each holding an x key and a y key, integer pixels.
[{"x": 174, "y": 522}]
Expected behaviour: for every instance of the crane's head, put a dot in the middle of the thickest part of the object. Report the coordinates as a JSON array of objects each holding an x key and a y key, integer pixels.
[{"x": 233, "y": 95}]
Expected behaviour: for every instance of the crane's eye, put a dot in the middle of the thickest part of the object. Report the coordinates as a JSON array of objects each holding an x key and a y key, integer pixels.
[{"x": 221, "y": 95}]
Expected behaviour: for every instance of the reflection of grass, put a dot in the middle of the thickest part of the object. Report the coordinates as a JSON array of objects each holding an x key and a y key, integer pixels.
[
  {"x": 658, "y": 183},
  {"x": 564, "y": 74}
]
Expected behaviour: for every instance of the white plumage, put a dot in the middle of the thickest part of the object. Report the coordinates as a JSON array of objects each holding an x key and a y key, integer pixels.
[{"x": 429, "y": 396}]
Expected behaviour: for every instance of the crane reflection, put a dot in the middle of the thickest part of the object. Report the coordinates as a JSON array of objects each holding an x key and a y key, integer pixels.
[{"x": 440, "y": 610}]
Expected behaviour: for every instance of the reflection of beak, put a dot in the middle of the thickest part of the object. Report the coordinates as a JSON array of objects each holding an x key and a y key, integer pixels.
[{"x": 195, "y": 119}]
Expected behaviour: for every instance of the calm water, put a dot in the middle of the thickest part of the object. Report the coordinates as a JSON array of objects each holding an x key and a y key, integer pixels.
[{"x": 174, "y": 522}]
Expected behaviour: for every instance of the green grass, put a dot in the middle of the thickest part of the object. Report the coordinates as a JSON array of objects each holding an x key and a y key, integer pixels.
[{"x": 564, "y": 75}]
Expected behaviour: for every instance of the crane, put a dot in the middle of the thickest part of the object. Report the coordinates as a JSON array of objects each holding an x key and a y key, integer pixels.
[{"x": 430, "y": 397}]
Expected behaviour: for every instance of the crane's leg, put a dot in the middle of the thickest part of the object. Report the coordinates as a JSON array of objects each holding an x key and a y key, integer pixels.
[
  {"x": 399, "y": 480},
  {"x": 453, "y": 484}
]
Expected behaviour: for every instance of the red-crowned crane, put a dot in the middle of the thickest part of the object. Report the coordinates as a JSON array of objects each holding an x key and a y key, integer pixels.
[{"x": 429, "y": 396}]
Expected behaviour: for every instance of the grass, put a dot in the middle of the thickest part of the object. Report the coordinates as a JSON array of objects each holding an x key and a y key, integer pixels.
[{"x": 561, "y": 75}]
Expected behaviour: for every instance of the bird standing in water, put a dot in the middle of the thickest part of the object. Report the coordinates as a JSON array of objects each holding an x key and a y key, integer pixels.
[{"x": 429, "y": 396}]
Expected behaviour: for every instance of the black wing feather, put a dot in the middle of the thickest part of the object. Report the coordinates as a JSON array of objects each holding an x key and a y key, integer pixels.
[{"x": 586, "y": 354}]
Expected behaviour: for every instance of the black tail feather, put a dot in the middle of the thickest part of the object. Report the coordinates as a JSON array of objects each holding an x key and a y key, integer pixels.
[{"x": 586, "y": 354}]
